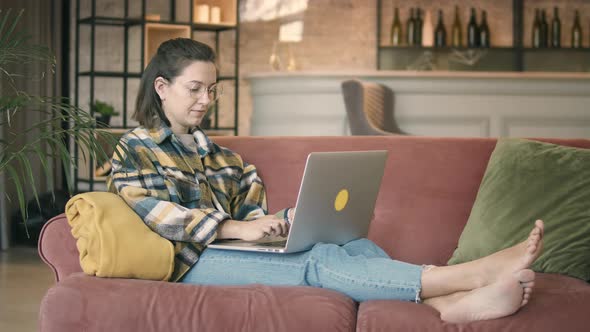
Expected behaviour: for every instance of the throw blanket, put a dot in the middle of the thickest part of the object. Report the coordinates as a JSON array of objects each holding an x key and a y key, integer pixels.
[{"x": 114, "y": 242}]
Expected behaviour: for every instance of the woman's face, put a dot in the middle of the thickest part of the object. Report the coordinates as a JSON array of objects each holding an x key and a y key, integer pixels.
[{"x": 186, "y": 98}]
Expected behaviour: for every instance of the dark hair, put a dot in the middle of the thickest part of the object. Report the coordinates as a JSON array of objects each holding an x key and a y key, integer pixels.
[{"x": 170, "y": 60}]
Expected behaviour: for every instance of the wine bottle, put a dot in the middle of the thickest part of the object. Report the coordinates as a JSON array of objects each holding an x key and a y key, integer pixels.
[
  {"x": 555, "y": 29},
  {"x": 577, "y": 31},
  {"x": 484, "y": 31},
  {"x": 418, "y": 23},
  {"x": 396, "y": 29},
  {"x": 544, "y": 29},
  {"x": 427, "y": 29},
  {"x": 457, "y": 40},
  {"x": 440, "y": 33},
  {"x": 410, "y": 30},
  {"x": 536, "y": 42},
  {"x": 472, "y": 30}
]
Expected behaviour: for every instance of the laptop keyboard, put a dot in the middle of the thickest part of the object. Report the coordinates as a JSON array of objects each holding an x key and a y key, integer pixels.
[{"x": 280, "y": 244}]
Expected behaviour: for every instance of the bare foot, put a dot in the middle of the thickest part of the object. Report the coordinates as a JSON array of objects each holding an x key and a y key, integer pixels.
[
  {"x": 513, "y": 259},
  {"x": 502, "y": 298}
]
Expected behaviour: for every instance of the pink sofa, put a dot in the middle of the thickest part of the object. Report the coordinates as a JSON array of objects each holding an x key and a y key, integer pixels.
[{"x": 427, "y": 193}]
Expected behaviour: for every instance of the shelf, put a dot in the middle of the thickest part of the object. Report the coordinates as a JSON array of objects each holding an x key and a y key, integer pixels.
[
  {"x": 157, "y": 33},
  {"x": 226, "y": 78},
  {"x": 445, "y": 48},
  {"x": 516, "y": 55},
  {"x": 109, "y": 74},
  {"x": 121, "y": 21},
  {"x": 213, "y": 27},
  {"x": 495, "y": 48},
  {"x": 556, "y": 50}
]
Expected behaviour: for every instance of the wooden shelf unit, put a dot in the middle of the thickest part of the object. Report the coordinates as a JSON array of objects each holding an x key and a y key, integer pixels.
[{"x": 157, "y": 33}]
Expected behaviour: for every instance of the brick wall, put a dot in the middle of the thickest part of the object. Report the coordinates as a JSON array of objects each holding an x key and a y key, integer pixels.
[{"x": 337, "y": 35}]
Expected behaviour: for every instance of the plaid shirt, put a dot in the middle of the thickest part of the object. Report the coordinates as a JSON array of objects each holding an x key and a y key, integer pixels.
[{"x": 183, "y": 195}]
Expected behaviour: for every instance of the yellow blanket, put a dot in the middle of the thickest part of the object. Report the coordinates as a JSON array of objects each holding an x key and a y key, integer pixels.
[{"x": 114, "y": 242}]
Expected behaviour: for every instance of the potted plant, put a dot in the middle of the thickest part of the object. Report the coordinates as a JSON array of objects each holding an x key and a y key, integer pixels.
[
  {"x": 103, "y": 112},
  {"x": 61, "y": 124}
]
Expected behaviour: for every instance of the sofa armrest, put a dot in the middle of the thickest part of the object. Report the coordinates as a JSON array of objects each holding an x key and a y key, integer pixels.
[{"x": 57, "y": 247}]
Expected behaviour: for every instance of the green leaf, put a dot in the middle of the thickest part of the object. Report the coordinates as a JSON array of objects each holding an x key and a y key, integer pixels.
[{"x": 19, "y": 190}]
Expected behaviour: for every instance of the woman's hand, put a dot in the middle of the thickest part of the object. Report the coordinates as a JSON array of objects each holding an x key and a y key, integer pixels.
[
  {"x": 253, "y": 230},
  {"x": 261, "y": 227}
]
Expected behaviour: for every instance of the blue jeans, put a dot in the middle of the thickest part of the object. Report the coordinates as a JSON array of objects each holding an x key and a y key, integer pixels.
[{"x": 359, "y": 269}]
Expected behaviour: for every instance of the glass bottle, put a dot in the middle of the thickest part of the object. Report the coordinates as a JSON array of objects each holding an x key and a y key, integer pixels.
[
  {"x": 484, "y": 31},
  {"x": 410, "y": 29},
  {"x": 556, "y": 29},
  {"x": 418, "y": 24},
  {"x": 536, "y": 42},
  {"x": 396, "y": 29},
  {"x": 457, "y": 40},
  {"x": 472, "y": 31},
  {"x": 544, "y": 29},
  {"x": 440, "y": 33},
  {"x": 577, "y": 31},
  {"x": 274, "y": 59}
]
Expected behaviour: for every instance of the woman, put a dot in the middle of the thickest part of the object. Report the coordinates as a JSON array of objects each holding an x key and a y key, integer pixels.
[{"x": 192, "y": 191}]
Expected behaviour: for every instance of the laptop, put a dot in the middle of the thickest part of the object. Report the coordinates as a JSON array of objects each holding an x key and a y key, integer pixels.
[{"x": 335, "y": 203}]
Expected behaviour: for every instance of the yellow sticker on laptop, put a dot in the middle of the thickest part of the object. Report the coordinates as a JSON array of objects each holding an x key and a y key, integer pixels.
[{"x": 341, "y": 200}]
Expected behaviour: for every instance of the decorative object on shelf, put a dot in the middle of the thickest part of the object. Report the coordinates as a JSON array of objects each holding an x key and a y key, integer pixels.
[
  {"x": 537, "y": 35},
  {"x": 424, "y": 62},
  {"x": 457, "y": 30},
  {"x": 484, "y": 31},
  {"x": 427, "y": 30},
  {"x": 152, "y": 17},
  {"x": 215, "y": 16},
  {"x": 275, "y": 60},
  {"x": 544, "y": 29},
  {"x": 467, "y": 57},
  {"x": 555, "y": 29},
  {"x": 472, "y": 30},
  {"x": 418, "y": 27},
  {"x": 411, "y": 29},
  {"x": 291, "y": 63},
  {"x": 291, "y": 33},
  {"x": 103, "y": 112},
  {"x": 201, "y": 13},
  {"x": 396, "y": 29},
  {"x": 440, "y": 33},
  {"x": 577, "y": 31}
]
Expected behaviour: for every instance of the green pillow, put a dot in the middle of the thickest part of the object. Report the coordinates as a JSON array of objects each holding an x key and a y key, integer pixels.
[{"x": 528, "y": 180}]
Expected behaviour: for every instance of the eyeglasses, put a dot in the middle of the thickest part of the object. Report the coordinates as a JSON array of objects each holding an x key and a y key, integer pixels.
[{"x": 197, "y": 90}]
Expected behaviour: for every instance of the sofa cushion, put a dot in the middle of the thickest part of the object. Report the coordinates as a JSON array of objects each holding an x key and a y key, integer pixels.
[
  {"x": 86, "y": 303},
  {"x": 528, "y": 180},
  {"x": 558, "y": 303}
]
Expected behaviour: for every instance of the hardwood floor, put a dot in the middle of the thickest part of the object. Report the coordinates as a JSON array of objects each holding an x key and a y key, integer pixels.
[{"x": 24, "y": 279}]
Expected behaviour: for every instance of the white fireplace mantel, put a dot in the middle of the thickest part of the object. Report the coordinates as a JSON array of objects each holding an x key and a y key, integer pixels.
[{"x": 428, "y": 103}]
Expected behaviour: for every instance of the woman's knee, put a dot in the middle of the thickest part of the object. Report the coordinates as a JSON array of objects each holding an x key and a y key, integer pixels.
[{"x": 364, "y": 247}]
